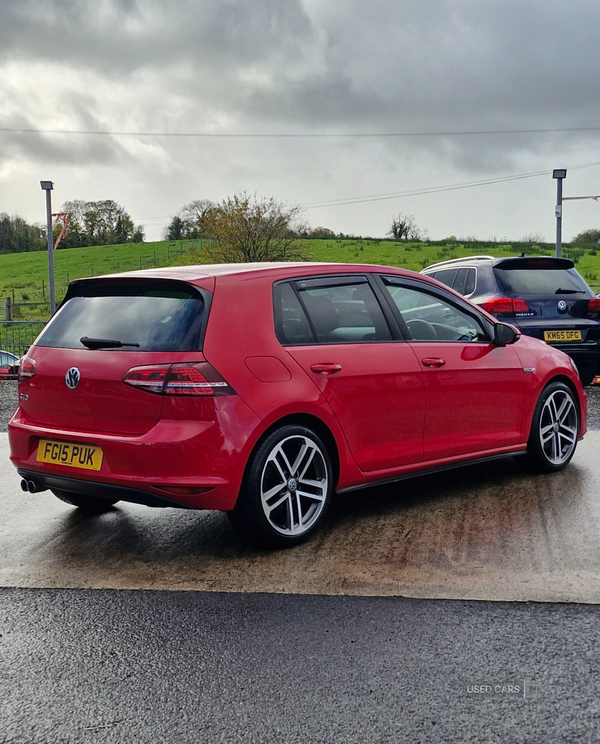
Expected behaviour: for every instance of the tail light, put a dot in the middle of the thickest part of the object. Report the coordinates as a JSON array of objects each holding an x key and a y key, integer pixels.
[
  {"x": 594, "y": 305},
  {"x": 505, "y": 306},
  {"x": 198, "y": 379},
  {"x": 26, "y": 369}
]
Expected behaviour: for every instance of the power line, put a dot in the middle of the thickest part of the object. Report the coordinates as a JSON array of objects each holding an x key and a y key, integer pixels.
[
  {"x": 436, "y": 189},
  {"x": 418, "y": 192},
  {"x": 290, "y": 135}
]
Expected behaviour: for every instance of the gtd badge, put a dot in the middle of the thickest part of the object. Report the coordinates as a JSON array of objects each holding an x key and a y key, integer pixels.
[
  {"x": 72, "y": 378},
  {"x": 562, "y": 306}
]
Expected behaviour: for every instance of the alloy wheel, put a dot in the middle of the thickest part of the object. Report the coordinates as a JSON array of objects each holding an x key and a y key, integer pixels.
[
  {"x": 558, "y": 427},
  {"x": 294, "y": 485}
]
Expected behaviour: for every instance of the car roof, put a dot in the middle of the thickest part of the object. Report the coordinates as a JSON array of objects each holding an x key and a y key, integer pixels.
[
  {"x": 453, "y": 261},
  {"x": 524, "y": 262},
  {"x": 283, "y": 268}
]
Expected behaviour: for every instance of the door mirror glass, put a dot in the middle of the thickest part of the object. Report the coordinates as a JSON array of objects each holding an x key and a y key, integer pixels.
[{"x": 504, "y": 334}]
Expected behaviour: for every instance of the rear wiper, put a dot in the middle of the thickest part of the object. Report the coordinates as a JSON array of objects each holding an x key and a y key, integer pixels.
[
  {"x": 570, "y": 291},
  {"x": 103, "y": 343}
]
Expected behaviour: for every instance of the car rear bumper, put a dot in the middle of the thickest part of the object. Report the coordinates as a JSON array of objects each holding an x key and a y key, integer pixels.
[
  {"x": 44, "y": 481},
  {"x": 583, "y": 352},
  {"x": 193, "y": 464}
]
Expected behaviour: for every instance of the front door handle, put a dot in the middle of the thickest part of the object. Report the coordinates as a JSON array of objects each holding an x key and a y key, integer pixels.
[
  {"x": 433, "y": 362},
  {"x": 326, "y": 369}
]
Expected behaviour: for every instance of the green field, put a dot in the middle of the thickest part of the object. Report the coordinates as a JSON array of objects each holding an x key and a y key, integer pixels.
[{"x": 24, "y": 276}]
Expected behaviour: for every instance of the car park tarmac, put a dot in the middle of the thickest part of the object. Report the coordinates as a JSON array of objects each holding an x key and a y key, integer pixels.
[{"x": 488, "y": 532}]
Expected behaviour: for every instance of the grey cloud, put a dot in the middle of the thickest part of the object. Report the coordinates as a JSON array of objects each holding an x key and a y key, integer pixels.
[
  {"x": 122, "y": 36},
  {"x": 356, "y": 66},
  {"x": 56, "y": 148}
]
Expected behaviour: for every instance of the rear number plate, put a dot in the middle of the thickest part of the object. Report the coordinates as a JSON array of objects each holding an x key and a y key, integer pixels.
[
  {"x": 562, "y": 336},
  {"x": 82, "y": 456}
]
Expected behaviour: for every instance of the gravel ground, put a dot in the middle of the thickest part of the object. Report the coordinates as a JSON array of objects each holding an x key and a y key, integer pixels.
[{"x": 8, "y": 403}]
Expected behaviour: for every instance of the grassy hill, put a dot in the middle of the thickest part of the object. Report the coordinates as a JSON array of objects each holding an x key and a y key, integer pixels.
[{"x": 24, "y": 276}]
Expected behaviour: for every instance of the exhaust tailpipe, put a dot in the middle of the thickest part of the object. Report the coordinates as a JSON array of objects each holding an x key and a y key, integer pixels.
[{"x": 31, "y": 486}]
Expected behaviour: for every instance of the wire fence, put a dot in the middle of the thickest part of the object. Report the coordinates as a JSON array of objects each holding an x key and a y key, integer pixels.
[{"x": 17, "y": 336}]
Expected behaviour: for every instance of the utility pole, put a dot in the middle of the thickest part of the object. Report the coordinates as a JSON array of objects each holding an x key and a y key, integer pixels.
[
  {"x": 47, "y": 186},
  {"x": 559, "y": 175}
]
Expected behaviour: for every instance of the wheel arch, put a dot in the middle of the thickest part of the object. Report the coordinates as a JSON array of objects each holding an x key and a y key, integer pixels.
[
  {"x": 566, "y": 380},
  {"x": 310, "y": 422},
  {"x": 549, "y": 449}
]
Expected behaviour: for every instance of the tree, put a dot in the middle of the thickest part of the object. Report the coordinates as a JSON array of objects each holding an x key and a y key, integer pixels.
[
  {"x": 76, "y": 236},
  {"x": 245, "y": 228},
  {"x": 404, "y": 227},
  {"x": 99, "y": 223},
  {"x": 196, "y": 215},
  {"x": 175, "y": 229},
  {"x": 587, "y": 236},
  {"x": 17, "y": 236},
  {"x": 191, "y": 220},
  {"x": 535, "y": 237},
  {"x": 321, "y": 233}
]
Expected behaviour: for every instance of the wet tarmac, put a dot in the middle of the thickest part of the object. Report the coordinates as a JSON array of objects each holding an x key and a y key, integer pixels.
[{"x": 492, "y": 532}]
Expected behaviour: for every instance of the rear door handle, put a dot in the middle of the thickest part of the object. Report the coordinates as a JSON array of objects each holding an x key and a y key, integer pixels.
[
  {"x": 325, "y": 369},
  {"x": 433, "y": 362}
]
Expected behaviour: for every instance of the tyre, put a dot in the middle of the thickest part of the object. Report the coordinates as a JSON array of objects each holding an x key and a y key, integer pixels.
[
  {"x": 86, "y": 503},
  {"x": 554, "y": 429},
  {"x": 287, "y": 489}
]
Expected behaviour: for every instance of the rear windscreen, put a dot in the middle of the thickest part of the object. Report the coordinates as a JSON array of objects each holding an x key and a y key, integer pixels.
[
  {"x": 541, "y": 281},
  {"x": 151, "y": 319}
]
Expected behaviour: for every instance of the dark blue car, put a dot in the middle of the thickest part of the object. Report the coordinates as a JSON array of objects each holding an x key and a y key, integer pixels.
[{"x": 544, "y": 297}]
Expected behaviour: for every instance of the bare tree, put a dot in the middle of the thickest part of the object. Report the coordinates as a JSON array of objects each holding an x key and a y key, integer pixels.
[
  {"x": 404, "y": 227},
  {"x": 245, "y": 228},
  {"x": 190, "y": 221},
  {"x": 535, "y": 237}
]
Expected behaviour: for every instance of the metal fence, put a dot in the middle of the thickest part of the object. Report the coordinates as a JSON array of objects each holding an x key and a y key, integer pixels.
[{"x": 17, "y": 336}]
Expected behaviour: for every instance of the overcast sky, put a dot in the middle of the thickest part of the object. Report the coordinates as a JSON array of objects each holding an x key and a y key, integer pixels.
[{"x": 389, "y": 96}]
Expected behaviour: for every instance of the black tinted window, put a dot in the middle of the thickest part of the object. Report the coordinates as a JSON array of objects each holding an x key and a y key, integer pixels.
[
  {"x": 541, "y": 281},
  {"x": 155, "y": 320},
  {"x": 465, "y": 281},
  {"x": 293, "y": 326},
  {"x": 330, "y": 310},
  {"x": 446, "y": 276}
]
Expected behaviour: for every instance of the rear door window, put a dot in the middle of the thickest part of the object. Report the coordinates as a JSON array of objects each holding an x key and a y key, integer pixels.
[
  {"x": 142, "y": 316},
  {"x": 464, "y": 281},
  {"x": 445, "y": 276},
  {"x": 329, "y": 310}
]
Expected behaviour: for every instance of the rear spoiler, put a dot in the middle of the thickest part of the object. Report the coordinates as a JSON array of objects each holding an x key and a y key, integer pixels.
[{"x": 534, "y": 262}]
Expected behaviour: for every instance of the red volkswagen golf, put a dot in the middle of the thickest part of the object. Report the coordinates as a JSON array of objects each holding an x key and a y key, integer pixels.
[{"x": 260, "y": 389}]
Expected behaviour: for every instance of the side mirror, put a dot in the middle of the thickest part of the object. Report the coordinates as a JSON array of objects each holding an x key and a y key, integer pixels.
[{"x": 505, "y": 334}]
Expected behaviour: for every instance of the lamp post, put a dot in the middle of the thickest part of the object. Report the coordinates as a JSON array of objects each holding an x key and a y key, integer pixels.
[
  {"x": 47, "y": 186},
  {"x": 559, "y": 175}
]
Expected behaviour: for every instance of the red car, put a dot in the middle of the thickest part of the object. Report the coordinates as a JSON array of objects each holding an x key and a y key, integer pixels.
[
  {"x": 7, "y": 365},
  {"x": 260, "y": 389}
]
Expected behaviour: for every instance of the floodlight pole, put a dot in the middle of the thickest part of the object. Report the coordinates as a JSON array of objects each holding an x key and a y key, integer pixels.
[
  {"x": 559, "y": 175},
  {"x": 47, "y": 186}
]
